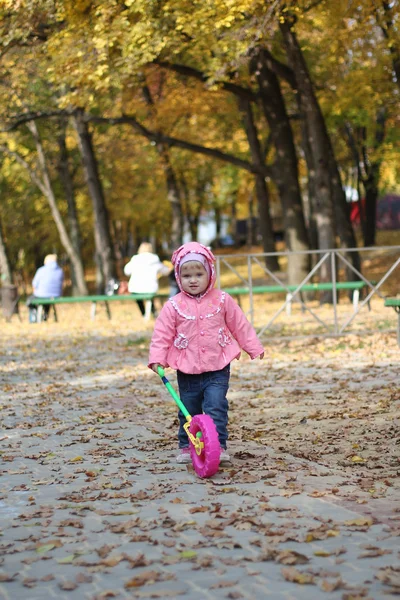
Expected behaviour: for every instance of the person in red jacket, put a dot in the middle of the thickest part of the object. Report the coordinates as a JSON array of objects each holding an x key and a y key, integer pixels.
[{"x": 199, "y": 332}]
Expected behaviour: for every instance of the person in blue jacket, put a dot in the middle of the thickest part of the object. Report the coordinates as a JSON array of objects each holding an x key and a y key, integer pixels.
[{"x": 47, "y": 283}]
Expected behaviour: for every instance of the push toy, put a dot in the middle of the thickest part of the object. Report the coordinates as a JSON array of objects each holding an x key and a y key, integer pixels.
[{"x": 202, "y": 433}]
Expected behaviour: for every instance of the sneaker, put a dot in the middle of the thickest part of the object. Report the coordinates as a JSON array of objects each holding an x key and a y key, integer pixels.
[
  {"x": 184, "y": 456},
  {"x": 224, "y": 456}
]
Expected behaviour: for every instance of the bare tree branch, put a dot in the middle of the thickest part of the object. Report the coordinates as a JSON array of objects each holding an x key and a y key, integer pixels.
[
  {"x": 156, "y": 137},
  {"x": 159, "y": 138},
  {"x": 280, "y": 69},
  {"x": 34, "y": 177},
  {"x": 18, "y": 120},
  {"x": 238, "y": 90}
]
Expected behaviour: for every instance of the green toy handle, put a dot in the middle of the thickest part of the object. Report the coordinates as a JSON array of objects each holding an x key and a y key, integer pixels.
[{"x": 173, "y": 393}]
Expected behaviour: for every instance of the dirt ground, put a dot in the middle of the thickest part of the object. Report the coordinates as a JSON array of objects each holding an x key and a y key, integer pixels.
[
  {"x": 89, "y": 486},
  {"x": 331, "y": 401}
]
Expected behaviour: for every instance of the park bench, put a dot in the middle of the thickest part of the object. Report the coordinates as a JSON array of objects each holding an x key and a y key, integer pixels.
[
  {"x": 354, "y": 286},
  {"x": 395, "y": 303},
  {"x": 237, "y": 292},
  {"x": 94, "y": 300}
]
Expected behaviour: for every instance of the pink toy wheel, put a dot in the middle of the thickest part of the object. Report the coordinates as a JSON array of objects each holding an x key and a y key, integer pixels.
[{"x": 206, "y": 464}]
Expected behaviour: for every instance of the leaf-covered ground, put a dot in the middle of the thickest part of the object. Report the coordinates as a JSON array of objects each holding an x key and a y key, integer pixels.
[{"x": 92, "y": 504}]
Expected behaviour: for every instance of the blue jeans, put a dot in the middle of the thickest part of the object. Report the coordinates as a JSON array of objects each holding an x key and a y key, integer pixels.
[{"x": 205, "y": 393}]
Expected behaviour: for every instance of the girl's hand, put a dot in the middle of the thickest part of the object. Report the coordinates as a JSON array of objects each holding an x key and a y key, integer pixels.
[
  {"x": 261, "y": 355},
  {"x": 155, "y": 366}
]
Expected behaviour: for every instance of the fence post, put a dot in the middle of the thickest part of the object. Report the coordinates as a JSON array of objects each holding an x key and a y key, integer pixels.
[
  {"x": 250, "y": 280},
  {"x": 334, "y": 290}
]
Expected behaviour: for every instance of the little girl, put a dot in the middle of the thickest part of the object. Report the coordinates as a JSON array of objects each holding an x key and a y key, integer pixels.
[{"x": 199, "y": 332}]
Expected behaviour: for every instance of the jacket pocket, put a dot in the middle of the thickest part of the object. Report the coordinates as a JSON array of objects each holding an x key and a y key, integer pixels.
[
  {"x": 224, "y": 337},
  {"x": 181, "y": 342}
]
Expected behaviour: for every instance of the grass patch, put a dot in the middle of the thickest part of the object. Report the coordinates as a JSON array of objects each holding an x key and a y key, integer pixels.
[
  {"x": 384, "y": 325},
  {"x": 137, "y": 341}
]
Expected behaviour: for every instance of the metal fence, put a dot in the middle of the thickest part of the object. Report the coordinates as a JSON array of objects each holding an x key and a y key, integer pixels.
[{"x": 271, "y": 313}]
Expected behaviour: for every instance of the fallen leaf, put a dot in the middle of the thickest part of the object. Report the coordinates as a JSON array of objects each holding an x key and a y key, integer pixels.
[
  {"x": 5, "y": 577},
  {"x": 83, "y": 578},
  {"x": 390, "y": 576},
  {"x": 357, "y": 459},
  {"x": 361, "y": 522},
  {"x": 188, "y": 554},
  {"x": 144, "y": 578},
  {"x": 68, "y": 586},
  {"x": 296, "y": 576},
  {"x": 223, "y": 584},
  {"x": 29, "y": 582},
  {"x": 291, "y": 557},
  {"x": 330, "y": 586},
  {"x": 67, "y": 560}
]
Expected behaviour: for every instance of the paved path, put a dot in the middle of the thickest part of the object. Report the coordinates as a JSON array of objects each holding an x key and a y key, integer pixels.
[{"x": 93, "y": 506}]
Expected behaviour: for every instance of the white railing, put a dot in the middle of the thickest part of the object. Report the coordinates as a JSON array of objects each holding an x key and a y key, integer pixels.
[{"x": 379, "y": 271}]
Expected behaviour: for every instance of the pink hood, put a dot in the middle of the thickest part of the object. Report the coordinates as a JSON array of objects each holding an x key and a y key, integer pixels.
[{"x": 200, "y": 249}]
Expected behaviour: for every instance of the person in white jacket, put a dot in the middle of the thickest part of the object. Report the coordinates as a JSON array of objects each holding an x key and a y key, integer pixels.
[{"x": 144, "y": 269}]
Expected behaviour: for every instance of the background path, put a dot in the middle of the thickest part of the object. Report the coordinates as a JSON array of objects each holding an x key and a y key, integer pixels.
[{"x": 92, "y": 504}]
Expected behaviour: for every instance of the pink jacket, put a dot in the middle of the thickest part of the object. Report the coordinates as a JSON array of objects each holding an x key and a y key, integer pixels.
[{"x": 199, "y": 334}]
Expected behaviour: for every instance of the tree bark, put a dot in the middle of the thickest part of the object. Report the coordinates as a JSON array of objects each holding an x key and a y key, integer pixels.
[
  {"x": 251, "y": 234},
  {"x": 218, "y": 224},
  {"x": 371, "y": 200},
  {"x": 78, "y": 287},
  {"x": 193, "y": 211},
  {"x": 173, "y": 191},
  {"x": 316, "y": 133},
  {"x": 368, "y": 171},
  {"x": 262, "y": 193},
  {"x": 104, "y": 248},
  {"x": 174, "y": 197},
  {"x": 330, "y": 206},
  {"x": 5, "y": 268},
  {"x": 311, "y": 205},
  {"x": 370, "y": 182},
  {"x": 387, "y": 27},
  {"x": 285, "y": 171},
  {"x": 44, "y": 184}
]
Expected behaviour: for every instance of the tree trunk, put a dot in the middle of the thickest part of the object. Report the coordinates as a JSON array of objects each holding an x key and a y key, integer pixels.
[
  {"x": 234, "y": 215},
  {"x": 264, "y": 216},
  {"x": 351, "y": 142},
  {"x": 250, "y": 237},
  {"x": 5, "y": 269},
  {"x": 332, "y": 211},
  {"x": 68, "y": 187},
  {"x": 47, "y": 189},
  {"x": 174, "y": 197},
  {"x": 342, "y": 215},
  {"x": 218, "y": 224},
  {"x": 319, "y": 146},
  {"x": 312, "y": 225},
  {"x": 104, "y": 249},
  {"x": 191, "y": 217},
  {"x": 389, "y": 31},
  {"x": 372, "y": 169},
  {"x": 371, "y": 200},
  {"x": 173, "y": 191},
  {"x": 285, "y": 172}
]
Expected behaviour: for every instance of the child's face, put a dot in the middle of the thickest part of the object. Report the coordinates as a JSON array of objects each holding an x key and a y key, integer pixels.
[{"x": 194, "y": 278}]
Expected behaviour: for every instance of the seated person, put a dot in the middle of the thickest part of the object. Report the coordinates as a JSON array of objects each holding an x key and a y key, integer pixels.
[
  {"x": 47, "y": 283},
  {"x": 144, "y": 269}
]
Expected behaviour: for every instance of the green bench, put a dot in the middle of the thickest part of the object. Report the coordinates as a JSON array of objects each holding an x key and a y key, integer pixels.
[
  {"x": 237, "y": 292},
  {"x": 147, "y": 298},
  {"x": 354, "y": 286},
  {"x": 395, "y": 303}
]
